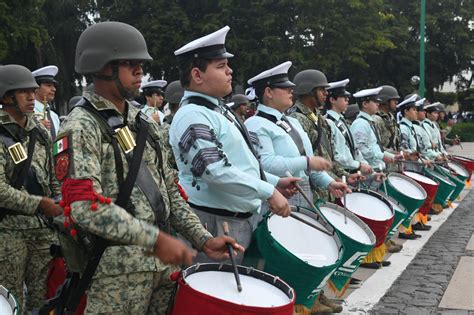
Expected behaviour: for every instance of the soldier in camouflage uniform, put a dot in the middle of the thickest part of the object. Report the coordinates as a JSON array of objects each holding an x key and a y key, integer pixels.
[
  {"x": 385, "y": 120},
  {"x": 24, "y": 238},
  {"x": 128, "y": 280},
  {"x": 311, "y": 94}
]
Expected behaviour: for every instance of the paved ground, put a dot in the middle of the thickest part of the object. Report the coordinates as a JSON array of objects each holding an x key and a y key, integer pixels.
[{"x": 432, "y": 275}]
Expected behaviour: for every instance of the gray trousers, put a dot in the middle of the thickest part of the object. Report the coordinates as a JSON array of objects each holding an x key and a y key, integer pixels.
[{"x": 240, "y": 229}]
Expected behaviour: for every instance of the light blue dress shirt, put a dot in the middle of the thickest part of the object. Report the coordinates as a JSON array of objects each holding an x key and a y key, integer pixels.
[
  {"x": 342, "y": 152},
  {"x": 211, "y": 152},
  {"x": 149, "y": 110},
  {"x": 435, "y": 135},
  {"x": 39, "y": 109},
  {"x": 366, "y": 141},
  {"x": 408, "y": 142},
  {"x": 278, "y": 151},
  {"x": 424, "y": 142}
]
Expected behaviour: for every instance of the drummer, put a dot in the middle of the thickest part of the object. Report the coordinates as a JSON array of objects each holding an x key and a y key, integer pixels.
[
  {"x": 424, "y": 140},
  {"x": 345, "y": 151},
  {"x": 365, "y": 134},
  {"x": 412, "y": 143},
  {"x": 284, "y": 146},
  {"x": 430, "y": 124},
  {"x": 217, "y": 166}
]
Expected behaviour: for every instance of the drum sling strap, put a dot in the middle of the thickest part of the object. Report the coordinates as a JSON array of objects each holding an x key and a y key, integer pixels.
[
  {"x": 374, "y": 129},
  {"x": 233, "y": 119},
  {"x": 288, "y": 128},
  {"x": 414, "y": 134},
  {"x": 138, "y": 173},
  {"x": 342, "y": 126},
  {"x": 23, "y": 174}
]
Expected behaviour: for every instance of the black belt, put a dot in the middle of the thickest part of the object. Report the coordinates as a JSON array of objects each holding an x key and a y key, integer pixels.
[{"x": 221, "y": 212}]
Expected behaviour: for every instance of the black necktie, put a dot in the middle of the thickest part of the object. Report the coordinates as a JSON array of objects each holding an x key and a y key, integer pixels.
[{"x": 53, "y": 129}]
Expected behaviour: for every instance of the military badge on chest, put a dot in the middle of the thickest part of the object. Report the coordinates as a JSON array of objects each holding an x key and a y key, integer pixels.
[{"x": 62, "y": 154}]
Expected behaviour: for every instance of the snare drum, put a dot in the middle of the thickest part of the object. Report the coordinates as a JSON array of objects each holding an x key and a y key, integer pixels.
[
  {"x": 407, "y": 192},
  {"x": 466, "y": 162},
  {"x": 429, "y": 185},
  {"x": 210, "y": 288},
  {"x": 400, "y": 215},
  {"x": 457, "y": 182},
  {"x": 301, "y": 255},
  {"x": 356, "y": 237},
  {"x": 372, "y": 208},
  {"x": 445, "y": 189},
  {"x": 8, "y": 305},
  {"x": 461, "y": 172}
]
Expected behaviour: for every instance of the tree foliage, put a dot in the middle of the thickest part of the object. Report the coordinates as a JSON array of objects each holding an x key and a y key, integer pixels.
[{"x": 372, "y": 42}]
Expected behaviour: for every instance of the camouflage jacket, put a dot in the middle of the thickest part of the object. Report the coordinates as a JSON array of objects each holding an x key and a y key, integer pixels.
[
  {"x": 389, "y": 131},
  {"x": 20, "y": 200},
  {"x": 326, "y": 146},
  {"x": 93, "y": 158}
]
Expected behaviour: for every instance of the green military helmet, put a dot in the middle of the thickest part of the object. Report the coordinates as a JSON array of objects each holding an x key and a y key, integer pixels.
[
  {"x": 387, "y": 93},
  {"x": 108, "y": 41},
  {"x": 15, "y": 77},
  {"x": 307, "y": 80},
  {"x": 174, "y": 92}
]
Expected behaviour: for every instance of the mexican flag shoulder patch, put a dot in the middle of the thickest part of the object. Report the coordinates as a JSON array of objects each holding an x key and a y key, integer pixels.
[{"x": 61, "y": 145}]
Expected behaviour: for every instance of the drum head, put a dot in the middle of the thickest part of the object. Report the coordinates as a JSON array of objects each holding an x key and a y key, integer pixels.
[
  {"x": 347, "y": 223},
  {"x": 420, "y": 178},
  {"x": 459, "y": 169},
  {"x": 310, "y": 245},
  {"x": 407, "y": 186},
  {"x": 259, "y": 289},
  {"x": 368, "y": 206},
  {"x": 8, "y": 305}
]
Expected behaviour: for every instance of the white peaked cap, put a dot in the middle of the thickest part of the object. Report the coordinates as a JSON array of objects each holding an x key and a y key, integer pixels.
[
  {"x": 338, "y": 84},
  {"x": 210, "y": 46},
  {"x": 408, "y": 101},
  {"x": 154, "y": 84},
  {"x": 46, "y": 73},
  {"x": 368, "y": 93},
  {"x": 276, "y": 76}
]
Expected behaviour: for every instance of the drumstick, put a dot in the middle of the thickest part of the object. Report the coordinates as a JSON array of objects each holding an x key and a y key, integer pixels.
[
  {"x": 458, "y": 138},
  {"x": 232, "y": 259},
  {"x": 294, "y": 216},
  {"x": 344, "y": 196},
  {"x": 383, "y": 179},
  {"x": 358, "y": 180}
]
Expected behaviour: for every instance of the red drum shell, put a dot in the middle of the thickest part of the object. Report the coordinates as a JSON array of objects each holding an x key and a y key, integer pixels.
[{"x": 430, "y": 192}]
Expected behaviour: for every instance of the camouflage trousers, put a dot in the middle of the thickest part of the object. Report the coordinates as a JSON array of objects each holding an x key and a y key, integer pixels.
[
  {"x": 24, "y": 260},
  {"x": 134, "y": 293}
]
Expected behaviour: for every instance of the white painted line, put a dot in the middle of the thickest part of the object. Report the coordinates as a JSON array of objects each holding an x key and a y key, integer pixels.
[
  {"x": 462, "y": 281},
  {"x": 470, "y": 245},
  {"x": 363, "y": 299}
]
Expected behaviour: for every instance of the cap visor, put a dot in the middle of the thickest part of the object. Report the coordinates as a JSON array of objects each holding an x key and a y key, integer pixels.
[{"x": 283, "y": 84}]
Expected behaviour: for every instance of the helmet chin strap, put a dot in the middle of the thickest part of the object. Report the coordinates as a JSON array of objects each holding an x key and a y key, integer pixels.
[
  {"x": 13, "y": 105},
  {"x": 125, "y": 93}
]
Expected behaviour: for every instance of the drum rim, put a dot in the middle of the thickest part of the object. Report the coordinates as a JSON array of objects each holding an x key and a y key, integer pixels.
[
  {"x": 441, "y": 177},
  {"x": 463, "y": 158},
  {"x": 395, "y": 201},
  {"x": 420, "y": 173},
  {"x": 10, "y": 298},
  {"x": 243, "y": 270},
  {"x": 459, "y": 165},
  {"x": 354, "y": 218},
  {"x": 453, "y": 178},
  {"x": 412, "y": 181},
  {"x": 321, "y": 220},
  {"x": 378, "y": 196}
]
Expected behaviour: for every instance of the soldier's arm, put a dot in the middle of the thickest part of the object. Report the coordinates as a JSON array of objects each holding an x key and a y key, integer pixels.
[
  {"x": 11, "y": 198},
  {"x": 108, "y": 220},
  {"x": 182, "y": 218},
  {"x": 194, "y": 142}
]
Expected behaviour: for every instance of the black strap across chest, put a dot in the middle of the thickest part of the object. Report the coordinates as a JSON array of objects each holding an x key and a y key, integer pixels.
[
  {"x": 236, "y": 121},
  {"x": 291, "y": 131},
  {"x": 341, "y": 125},
  {"x": 374, "y": 129}
]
